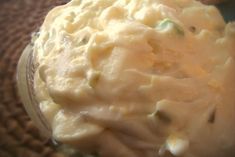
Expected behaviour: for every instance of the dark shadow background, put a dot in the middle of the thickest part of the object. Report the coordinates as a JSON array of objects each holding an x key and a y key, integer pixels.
[{"x": 228, "y": 10}]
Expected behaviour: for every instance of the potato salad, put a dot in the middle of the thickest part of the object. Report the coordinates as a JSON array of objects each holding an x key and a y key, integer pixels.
[{"x": 138, "y": 78}]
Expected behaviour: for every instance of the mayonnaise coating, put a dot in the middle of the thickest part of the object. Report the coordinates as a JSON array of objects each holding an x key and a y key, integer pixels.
[{"x": 134, "y": 78}]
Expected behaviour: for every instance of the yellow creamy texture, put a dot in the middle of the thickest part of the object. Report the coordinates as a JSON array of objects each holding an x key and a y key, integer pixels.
[{"x": 138, "y": 78}]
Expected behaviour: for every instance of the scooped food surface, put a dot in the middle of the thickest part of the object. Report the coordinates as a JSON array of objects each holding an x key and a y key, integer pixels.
[{"x": 138, "y": 78}]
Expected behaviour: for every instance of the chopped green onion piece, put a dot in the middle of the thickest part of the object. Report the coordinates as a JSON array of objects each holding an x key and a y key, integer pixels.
[{"x": 167, "y": 24}]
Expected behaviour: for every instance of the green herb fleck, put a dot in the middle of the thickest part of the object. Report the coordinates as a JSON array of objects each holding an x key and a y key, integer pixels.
[{"x": 168, "y": 24}]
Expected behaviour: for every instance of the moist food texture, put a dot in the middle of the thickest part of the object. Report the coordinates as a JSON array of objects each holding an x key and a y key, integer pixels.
[{"x": 138, "y": 78}]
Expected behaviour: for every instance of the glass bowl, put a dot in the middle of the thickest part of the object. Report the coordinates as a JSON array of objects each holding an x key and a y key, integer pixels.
[{"x": 25, "y": 83}]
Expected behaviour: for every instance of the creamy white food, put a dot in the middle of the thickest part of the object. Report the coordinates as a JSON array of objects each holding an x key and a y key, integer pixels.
[{"x": 138, "y": 78}]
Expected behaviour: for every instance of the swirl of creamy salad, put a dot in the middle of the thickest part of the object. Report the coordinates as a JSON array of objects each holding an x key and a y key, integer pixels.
[{"x": 138, "y": 78}]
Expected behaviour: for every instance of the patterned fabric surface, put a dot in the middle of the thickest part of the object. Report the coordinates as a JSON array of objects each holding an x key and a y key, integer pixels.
[{"x": 18, "y": 136}]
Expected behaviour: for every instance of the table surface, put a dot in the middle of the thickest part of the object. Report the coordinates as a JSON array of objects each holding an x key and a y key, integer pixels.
[{"x": 18, "y": 135}]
